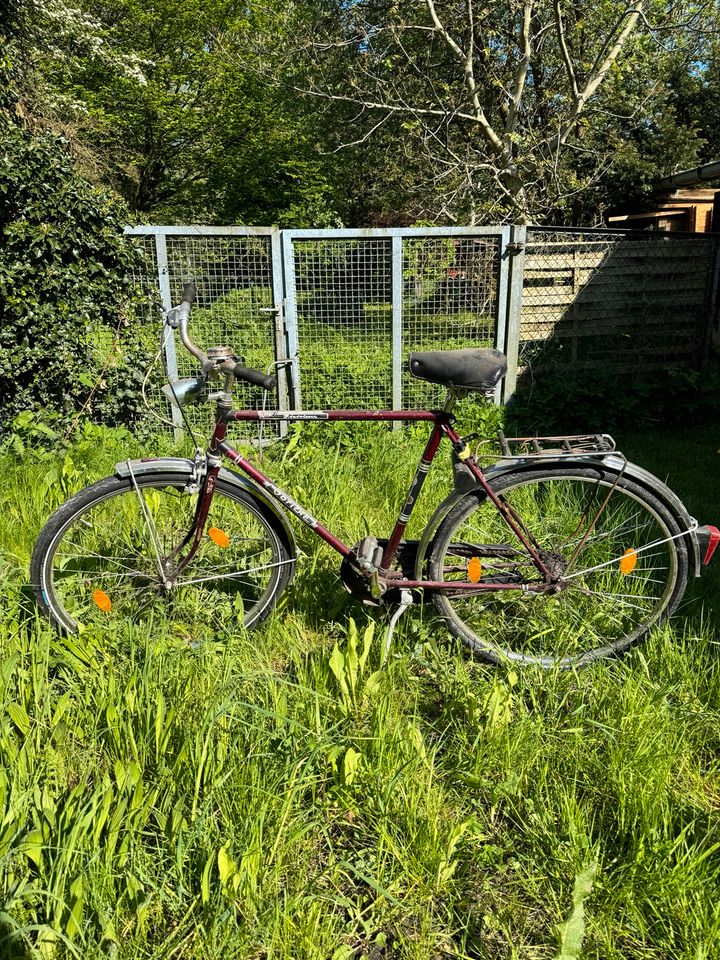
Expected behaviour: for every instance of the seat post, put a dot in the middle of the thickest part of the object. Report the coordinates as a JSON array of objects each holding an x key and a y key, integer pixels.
[{"x": 452, "y": 398}]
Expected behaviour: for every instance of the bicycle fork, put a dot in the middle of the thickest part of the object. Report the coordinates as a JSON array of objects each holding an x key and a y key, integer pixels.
[{"x": 195, "y": 534}]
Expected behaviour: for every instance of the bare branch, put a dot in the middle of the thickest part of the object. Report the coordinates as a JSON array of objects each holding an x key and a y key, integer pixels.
[
  {"x": 604, "y": 60},
  {"x": 522, "y": 68},
  {"x": 462, "y": 57},
  {"x": 364, "y": 138},
  {"x": 562, "y": 42},
  {"x": 466, "y": 59},
  {"x": 600, "y": 68}
]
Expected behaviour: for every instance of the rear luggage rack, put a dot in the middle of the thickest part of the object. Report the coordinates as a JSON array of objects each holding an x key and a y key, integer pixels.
[{"x": 582, "y": 444}]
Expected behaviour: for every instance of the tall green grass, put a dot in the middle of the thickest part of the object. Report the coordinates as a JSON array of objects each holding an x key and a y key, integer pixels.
[{"x": 283, "y": 796}]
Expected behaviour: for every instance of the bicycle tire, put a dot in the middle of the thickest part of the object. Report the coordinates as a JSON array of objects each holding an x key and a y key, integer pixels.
[
  {"x": 96, "y": 551},
  {"x": 604, "y": 607}
]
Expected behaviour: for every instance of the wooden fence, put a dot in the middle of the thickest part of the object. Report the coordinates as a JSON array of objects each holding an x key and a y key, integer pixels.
[{"x": 615, "y": 301}]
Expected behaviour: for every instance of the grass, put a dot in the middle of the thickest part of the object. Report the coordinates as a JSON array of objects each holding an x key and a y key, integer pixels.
[{"x": 282, "y": 796}]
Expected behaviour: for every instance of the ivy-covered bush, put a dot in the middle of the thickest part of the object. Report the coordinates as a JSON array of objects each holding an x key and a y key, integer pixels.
[{"x": 65, "y": 286}]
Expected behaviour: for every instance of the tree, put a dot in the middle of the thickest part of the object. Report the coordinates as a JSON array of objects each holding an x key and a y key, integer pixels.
[
  {"x": 184, "y": 136},
  {"x": 511, "y": 109}
]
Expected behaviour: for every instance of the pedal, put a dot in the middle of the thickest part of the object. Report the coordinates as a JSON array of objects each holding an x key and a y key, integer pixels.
[{"x": 377, "y": 589}]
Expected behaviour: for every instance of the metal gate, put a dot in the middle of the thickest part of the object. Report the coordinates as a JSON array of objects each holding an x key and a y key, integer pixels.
[
  {"x": 238, "y": 273},
  {"x": 336, "y": 312}
]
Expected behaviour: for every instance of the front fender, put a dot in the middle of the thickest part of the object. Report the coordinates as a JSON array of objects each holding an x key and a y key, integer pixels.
[
  {"x": 613, "y": 462},
  {"x": 185, "y": 467}
]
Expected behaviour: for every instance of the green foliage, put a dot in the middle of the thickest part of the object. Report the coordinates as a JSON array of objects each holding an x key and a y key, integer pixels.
[
  {"x": 65, "y": 272},
  {"x": 192, "y": 137},
  {"x": 573, "y": 930},
  {"x": 223, "y": 133},
  {"x": 522, "y": 120}
]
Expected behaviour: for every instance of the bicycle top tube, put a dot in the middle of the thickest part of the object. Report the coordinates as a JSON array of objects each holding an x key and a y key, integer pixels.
[
  {"x": 381, "y": 415},
  {"x": 441, "y": 423}
]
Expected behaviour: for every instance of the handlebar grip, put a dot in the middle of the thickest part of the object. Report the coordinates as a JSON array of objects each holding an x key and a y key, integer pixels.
[
  {"x": 189, "y": 293},
  {"x": 255, "y": 376}
]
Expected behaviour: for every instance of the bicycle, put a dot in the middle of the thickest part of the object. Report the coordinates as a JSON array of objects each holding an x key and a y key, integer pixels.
[{"x": 560, "y": 553}]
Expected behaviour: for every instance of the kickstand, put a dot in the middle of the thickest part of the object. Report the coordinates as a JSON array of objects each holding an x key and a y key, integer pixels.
[{"x": 405, "y": 602}]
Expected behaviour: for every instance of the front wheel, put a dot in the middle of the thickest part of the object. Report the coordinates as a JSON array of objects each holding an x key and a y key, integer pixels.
[
  {"x": 107, "y": 557},
  {"x": 618, "y": 563}
]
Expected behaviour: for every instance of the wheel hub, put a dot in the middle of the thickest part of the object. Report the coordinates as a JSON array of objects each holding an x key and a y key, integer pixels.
[{"x": 556, "y": 565}]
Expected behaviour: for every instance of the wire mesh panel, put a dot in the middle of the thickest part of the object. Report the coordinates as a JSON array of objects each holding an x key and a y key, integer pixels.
[
  {"x": 362, "y": 300},
  {"x": 450, "y": 287},
  {"x": 343, "y": 304},
  {"x": 234, "y": 306},
  {"x": 614, "y": 302},
  {"x": 145, "y": 281},
  {"x": 357, "y": 302}
]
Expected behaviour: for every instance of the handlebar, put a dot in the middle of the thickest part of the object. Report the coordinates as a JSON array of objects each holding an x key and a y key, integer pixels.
[
  {"x": 178, "y": 318},
  {"x": 254, "y": 376}
]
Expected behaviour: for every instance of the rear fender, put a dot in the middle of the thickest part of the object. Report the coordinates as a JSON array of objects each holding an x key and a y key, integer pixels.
[
  {"x": 185, "y": 468},
  {"x": 612, "y": 462}
]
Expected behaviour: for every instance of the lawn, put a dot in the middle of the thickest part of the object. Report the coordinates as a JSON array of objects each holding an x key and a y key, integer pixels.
[{"x": 281, "y": 796}]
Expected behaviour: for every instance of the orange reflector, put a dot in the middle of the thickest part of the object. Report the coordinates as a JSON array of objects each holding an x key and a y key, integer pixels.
[
  {"x": 102, "y": 600},
  {"x": 219, "y": 537},
  {"x": 474, "y": 570},
  {"x": 628, "y": 561}
]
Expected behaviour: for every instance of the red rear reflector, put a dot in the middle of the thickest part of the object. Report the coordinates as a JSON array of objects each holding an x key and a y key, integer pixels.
[{"x": 712, "y": 544}]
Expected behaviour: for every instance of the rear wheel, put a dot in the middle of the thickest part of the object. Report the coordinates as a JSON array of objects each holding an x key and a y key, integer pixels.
[
  {"x": 107, "y": 557},
  {"x": 618, "y": 564}
]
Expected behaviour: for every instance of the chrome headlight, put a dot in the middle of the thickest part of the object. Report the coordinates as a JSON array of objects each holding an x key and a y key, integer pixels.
[{"x": 187, "y": 390}]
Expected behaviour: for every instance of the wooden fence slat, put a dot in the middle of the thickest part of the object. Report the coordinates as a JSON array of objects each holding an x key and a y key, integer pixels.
[{"x": 612, "y": 272}]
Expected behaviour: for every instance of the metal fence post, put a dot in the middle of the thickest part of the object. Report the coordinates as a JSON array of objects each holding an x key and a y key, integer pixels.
[
  {"x": 515, "y": 254},
  {"x": 290, "y": 302},
  {"x": 397, "y": 323},
  {"x": 169, "y": 341},
  {"x": 278, "y": 309},
  {"x": 501, "y": 302}
]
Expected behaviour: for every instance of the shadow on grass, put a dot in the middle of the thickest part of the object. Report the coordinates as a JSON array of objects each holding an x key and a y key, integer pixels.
[
  {"x": 670, "y": 427},
  {"x": 13, "y": 945}
]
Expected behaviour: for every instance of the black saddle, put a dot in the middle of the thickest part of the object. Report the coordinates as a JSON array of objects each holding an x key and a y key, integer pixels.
[{"x": 472, "y": 369}]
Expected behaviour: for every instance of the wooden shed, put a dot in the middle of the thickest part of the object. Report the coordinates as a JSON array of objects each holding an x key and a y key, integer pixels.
[{"x": 678, "y": 205}]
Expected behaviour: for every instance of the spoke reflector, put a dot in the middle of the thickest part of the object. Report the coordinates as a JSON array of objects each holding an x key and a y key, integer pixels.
[
  {"x": 219, "y": 537},
  {"x": 102, "y": 600},
  {"x": 474, "y": 570},
  {"x": 628, "y": 561}
]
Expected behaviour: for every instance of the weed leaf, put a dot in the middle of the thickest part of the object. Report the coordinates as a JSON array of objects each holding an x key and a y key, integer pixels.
[{"x": 572, "y": 932}]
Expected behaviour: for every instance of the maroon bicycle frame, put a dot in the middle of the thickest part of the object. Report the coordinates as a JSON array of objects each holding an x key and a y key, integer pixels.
[{"x": 442, "y": 421}]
